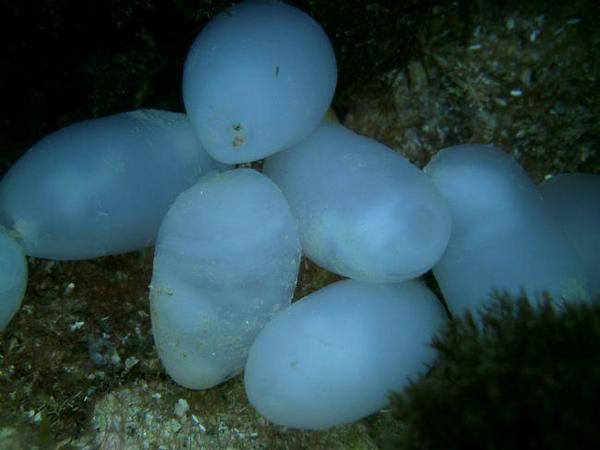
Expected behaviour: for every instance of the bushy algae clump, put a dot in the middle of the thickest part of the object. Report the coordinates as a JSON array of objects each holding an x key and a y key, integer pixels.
[{"x": 519, "y": 377}]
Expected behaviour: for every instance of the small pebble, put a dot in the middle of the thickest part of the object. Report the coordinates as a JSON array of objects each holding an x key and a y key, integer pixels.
[{"x": 181, "y": 407}]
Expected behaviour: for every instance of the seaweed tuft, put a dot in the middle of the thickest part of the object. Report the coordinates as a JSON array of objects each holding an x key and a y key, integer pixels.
[{"x": 517, "y": 376}]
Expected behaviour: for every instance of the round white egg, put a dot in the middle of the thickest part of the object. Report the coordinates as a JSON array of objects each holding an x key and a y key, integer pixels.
[
  {"x": 574, "y": 201},
  {"x": 13, "y": 277},
  {"x": 363, "y": 211},
  {"x": 258, "y": 79},
  {"x": 334, "y": 356},
  {"x": 503, "y": 235},
  {"x": 226, "y": 260},
  {"x": 101, "y": 186}
]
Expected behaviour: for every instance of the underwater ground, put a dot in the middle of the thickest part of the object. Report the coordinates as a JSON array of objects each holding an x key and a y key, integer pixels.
[{"x": 77, "y": 365}]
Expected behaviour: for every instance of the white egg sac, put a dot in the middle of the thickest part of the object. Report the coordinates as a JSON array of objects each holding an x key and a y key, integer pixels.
[
  {"x": 574, "y": 200},
  {"x": 258, "y": 79},
  {"x": 363, "y": 211},
  {"x": 101, "y": 186},
  {"x": 226, "y": 260},
  {"x": 503, "y": 235},
  {"x": 13, "y": 277},
  {"x": 335, "y": 356}
]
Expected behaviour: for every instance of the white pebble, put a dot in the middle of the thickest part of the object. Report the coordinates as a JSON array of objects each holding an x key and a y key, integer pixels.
[{"x": 181, "y": 407}]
